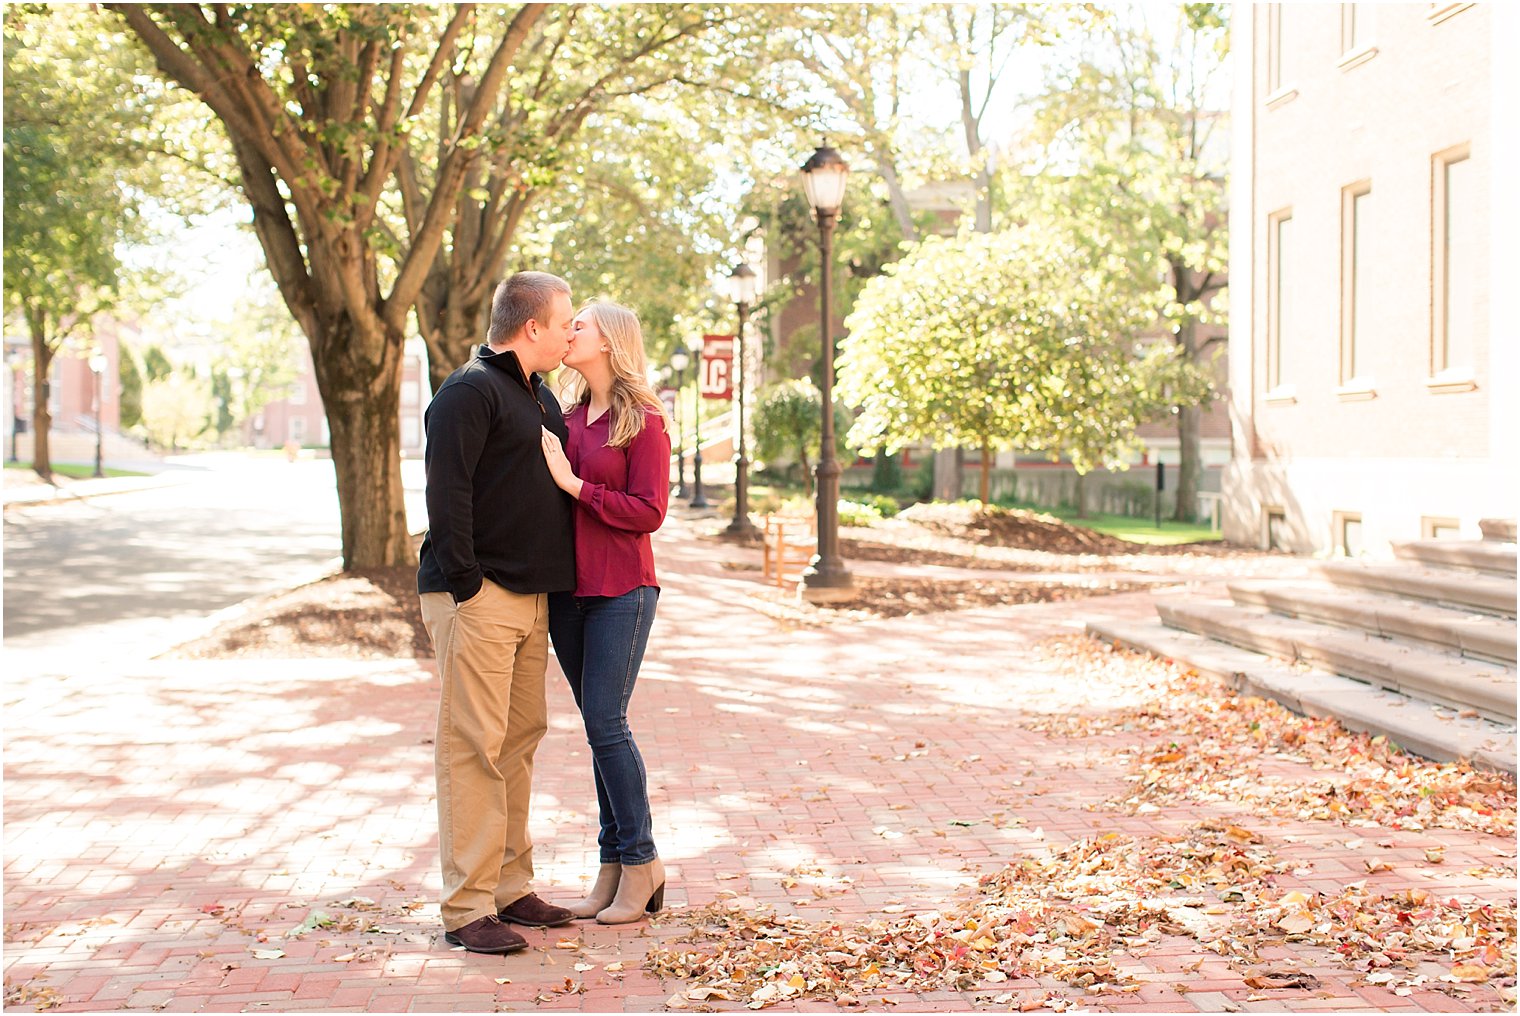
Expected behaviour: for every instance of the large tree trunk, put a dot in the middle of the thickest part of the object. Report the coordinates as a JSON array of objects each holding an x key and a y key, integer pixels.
[
  {"x": 363, "y": 415},
  {"x": 1190, "y": 444},
  {"x": 42, "y": 420},
  {"x": 451, "y": 329},
  {"x": 1189, "y": 418},
  {"x": 454, "y": 307},
  {"x": 947, "y": 474}
]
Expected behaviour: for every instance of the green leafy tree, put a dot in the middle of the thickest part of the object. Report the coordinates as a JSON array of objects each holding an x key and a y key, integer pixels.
[
  {"x": 156, "y": 365},
  {"x": 319, "y": 104},
  {"x": 258, "y": 357},
  {"x": 588, "y": 131},
  {"x": 635, "y": 219},
  {"x": 391, "y": 152},
  {"x": 130, "y": 376},
  {"x": 1014, "y": 340},
  {"x": 1129, "y": 145},
  {"x": 788, "y": 425},
  {"x": 177, "y": 409},
  {"x": 74, "y": 116}
]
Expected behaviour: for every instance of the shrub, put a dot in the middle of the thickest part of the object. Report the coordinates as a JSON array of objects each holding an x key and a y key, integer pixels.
[{"x": 854, "y": 513}]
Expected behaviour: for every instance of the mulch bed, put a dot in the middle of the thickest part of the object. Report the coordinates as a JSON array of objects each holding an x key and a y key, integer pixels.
[
  {"x": 889, "y": 597},
  {"x": 374, "y": 615},
  {"x": 363, "y": 615},
  {"x": 1027, "y": 530},
  {"x": 860, "y": 549}
]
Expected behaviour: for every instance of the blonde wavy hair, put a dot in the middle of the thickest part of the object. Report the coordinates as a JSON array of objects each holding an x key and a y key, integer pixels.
[{"x": 631, "y": 390}]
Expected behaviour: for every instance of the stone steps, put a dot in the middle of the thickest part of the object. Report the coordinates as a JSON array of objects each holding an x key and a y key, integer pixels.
[
  {"x": 1426, "y": 729},
  {"x": 1421, "y": 648},
  {"x": 1430, "y": 674},
  {"x": 1480, "y": 636},
  {"x": 1498, "y": 529},
  {"x": 1490, "y": 594},
  {"x": 1488, "y": 556}
]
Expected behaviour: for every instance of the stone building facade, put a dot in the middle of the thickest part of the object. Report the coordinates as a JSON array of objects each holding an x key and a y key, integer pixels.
[{"x": 1373, "y": 369}]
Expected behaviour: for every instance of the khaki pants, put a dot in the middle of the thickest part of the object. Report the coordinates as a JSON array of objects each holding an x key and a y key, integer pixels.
[{"x": 492, "y": 652}]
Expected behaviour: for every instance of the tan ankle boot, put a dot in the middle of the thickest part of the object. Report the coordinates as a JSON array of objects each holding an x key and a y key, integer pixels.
[
  {"x": 602, "y": 893},
  {"x": 641, "y": 890}
]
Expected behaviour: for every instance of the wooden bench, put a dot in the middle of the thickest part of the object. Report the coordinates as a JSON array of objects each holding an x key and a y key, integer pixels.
[{"x": 790, "y": 542}]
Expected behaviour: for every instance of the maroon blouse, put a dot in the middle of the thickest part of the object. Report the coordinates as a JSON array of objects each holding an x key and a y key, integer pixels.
[{"x": 624, "y": 494}]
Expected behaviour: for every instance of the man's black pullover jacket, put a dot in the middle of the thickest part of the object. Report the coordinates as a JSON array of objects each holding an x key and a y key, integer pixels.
[{"x": 493, "y": 509}]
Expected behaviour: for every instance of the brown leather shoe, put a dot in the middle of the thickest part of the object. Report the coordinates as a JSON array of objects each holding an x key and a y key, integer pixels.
[
  {"x": 487, "y": 935},
  {"x": 532, "y": 912}
]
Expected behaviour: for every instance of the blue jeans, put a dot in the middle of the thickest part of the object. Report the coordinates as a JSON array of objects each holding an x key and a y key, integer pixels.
[{"x": 600, "y": 643}]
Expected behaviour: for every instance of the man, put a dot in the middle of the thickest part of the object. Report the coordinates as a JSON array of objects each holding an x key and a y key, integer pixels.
[{"x": 499, "y": 539}]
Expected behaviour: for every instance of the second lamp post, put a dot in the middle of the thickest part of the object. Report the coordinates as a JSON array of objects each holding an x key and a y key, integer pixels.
[
  {"x": 698, "y": 498},
  {"x": 743, "y": 282},
  {"x": 826, "y": 578}
]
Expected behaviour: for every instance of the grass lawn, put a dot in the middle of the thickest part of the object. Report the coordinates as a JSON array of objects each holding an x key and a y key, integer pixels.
[
  {"x": 1133, "y": 529},
  {"x": 1136, "y": 530},
  {"x": 75, "y": 470}
]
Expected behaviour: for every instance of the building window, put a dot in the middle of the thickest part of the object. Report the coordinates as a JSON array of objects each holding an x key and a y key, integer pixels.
[
  {"x": 1276, "y": 525},
  {"x": 297, "y": 396},
  {"x": 1356, "y": 26},
  {"x": 1453, "y": 265},
  {"x": 1282, "y": 299},
  {"x": 1356, "y": 34},
  {"x": 1350, "y": 22},
  {"x": 1435, "y": 527},
  {"x": 1356, "y": 284},
  {"x": 297, "y": 429},
  {"x": 411, "y": 433},
  {"x": 409, "y": 392},
  {"x": 1348, "y": 534}
]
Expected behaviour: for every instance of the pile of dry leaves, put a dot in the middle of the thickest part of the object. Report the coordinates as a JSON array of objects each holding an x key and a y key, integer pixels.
[
  {"x": 1084, "y": 914},
  {"x": 1217, "y": 746},
  {"x": 1077, "y": 914}
]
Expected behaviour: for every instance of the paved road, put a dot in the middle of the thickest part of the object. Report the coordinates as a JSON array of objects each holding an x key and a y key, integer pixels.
[{"x": 146, "y": 566}]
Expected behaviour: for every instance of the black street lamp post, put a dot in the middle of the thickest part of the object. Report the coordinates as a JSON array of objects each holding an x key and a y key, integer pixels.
[
  {"x": 743, "y": 278},
  {"x": 698, "y": 499},
  {"x": 826, "y": 578},
  {"x": 678, "y": 361}
]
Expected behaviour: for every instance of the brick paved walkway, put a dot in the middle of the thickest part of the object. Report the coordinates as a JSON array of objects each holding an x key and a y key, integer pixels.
[{"x": 169, "y": 826}]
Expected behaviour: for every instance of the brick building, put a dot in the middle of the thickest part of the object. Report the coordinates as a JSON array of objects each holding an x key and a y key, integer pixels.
[
  {"x": 1372, "y": 377},
  {"x": 72, "y": 394},
  {"x": 300, "y": 417}
]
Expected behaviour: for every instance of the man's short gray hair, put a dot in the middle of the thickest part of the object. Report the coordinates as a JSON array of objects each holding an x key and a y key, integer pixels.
[{"x": 523, "y": 297}]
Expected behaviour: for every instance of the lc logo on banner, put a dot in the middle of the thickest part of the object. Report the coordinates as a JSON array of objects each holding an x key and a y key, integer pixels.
[{"x": 716, "y": 376}]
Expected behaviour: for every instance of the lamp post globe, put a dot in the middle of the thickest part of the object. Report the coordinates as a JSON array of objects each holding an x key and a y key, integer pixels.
[
  {"x": 826, "y": 579},
  {"x": 742, "y": 281}
]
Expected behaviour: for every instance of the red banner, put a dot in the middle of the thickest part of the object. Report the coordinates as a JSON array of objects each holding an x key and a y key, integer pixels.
[{"x": 716, "y": 370}]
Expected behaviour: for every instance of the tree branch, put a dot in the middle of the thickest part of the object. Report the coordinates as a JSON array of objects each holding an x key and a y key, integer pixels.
[{"x": 451, "y": 173}]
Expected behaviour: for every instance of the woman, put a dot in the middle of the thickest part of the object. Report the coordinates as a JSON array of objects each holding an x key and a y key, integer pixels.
[{"x": 617, "y": 467}]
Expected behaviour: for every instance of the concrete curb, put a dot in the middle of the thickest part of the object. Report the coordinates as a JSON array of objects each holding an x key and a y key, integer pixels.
[{"x": 82, "y": 490}]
